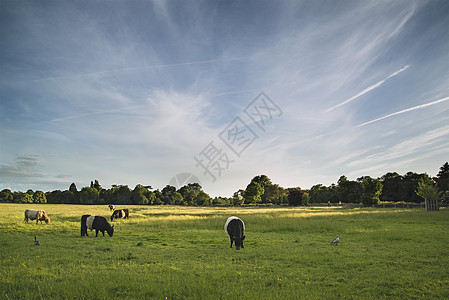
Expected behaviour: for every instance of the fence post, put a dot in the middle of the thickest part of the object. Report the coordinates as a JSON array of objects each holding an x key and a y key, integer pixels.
[{"x": 432, "y": 205}]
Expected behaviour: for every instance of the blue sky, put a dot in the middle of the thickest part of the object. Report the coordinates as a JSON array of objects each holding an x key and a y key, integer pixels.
[{"x": 130, "y": 92}]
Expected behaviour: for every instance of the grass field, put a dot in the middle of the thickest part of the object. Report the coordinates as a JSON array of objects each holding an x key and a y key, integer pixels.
[{"x": 166, "y": 252}]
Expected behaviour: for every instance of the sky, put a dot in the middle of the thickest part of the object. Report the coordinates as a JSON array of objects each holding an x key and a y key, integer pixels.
[{"x": 159, "y": 92}]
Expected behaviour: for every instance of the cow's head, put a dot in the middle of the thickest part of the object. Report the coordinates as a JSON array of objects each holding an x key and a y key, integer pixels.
[
  {"x": 239, "y": 242},
  {"x": 111, "y": 230},
  {"x": 44, "y": 217}
]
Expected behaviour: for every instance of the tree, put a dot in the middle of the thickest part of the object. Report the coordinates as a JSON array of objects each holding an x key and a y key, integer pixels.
[
  {"x": 121, "y": 194},
  {"x": 6, "y": 196},
  {"x": 295, "y": 197},
  {"x": 167, "y": 193},
  {"x": 96, "y": 185},
  {"x": 348, "y": 191},
  {"x": 265, "y": 183},
  {"x": 39, "y": 197},
  {"x": 203, "y": 199},
  {"x": 410, "y": 183},
  {"x": 139, "y": 195},
  {"x": 237, "y": 198},
  {"x": 392, "y": 189},
  {"x": 70, "y": 197},
  {"x": 75, "y": 193},
  {"x": 20, "y": 197},
  {"x": 73, "y": 188},
  {"x": 371, "y": 190},
  {"x": 428, "y": 190},
  {"x": 322, "y": 194},
  {"x": 177, "y": 199},
  {"x": 253, "y": 193},
  {"x": 89, "y": 195},
  {"x": 305, "y": 199},
  {"x": 442, "y": 178},
  {"x": 189, "y": 192},
  {"x": 274, "y": 194},
  {"x": 158, "y": 197}
]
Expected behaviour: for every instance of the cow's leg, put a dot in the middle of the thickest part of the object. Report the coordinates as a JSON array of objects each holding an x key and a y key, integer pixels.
[
  {"x": 231, "y": 242},
  {"x": 37, "y": 221},
  {"x": 96, "y": 232}
]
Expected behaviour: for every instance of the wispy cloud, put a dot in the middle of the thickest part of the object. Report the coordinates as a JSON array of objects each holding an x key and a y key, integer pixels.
[
  {"x": 411, "y": 148},
  {"x": 406, "y": 110},
  {"x": 369, "y": 89},
  {"x": 140, "y": 68}
]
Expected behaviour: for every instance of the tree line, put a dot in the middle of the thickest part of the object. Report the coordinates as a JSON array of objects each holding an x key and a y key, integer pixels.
[{"x": 391, "y": 187}]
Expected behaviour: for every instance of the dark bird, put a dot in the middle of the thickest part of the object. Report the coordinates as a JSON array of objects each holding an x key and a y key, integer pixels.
[
  {"x": 336, "y": 240},
  {"x": 36, "y": 242}
]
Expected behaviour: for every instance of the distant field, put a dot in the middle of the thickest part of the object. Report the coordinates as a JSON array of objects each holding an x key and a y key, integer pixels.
[{"x": 166, "y": 252}]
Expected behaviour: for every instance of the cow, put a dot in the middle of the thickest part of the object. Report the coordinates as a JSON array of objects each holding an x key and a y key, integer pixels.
[
  {"x": 95, "y": 222},
  {"x": 120, "y": 213},
  {"x": 111, "y": 207},
  {"x": 38, "y": 215},
  {"x": 235, "y": 228}
]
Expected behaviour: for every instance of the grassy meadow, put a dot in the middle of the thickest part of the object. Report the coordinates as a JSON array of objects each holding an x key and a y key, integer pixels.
[{"x": 166, "y": 252}]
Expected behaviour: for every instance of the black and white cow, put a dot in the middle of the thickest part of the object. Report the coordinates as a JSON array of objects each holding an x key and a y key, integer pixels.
[
  {"x": 120, "y": 213},
  {"x": 95, "y": 222},
  {"x": 111, "y": 206},
  {"x": 235, "y": 228}
]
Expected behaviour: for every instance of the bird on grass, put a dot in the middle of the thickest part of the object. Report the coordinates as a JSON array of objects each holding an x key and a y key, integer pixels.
[
  {"x": 36, "y": 242},
  {"x": 336, "y": 240}
]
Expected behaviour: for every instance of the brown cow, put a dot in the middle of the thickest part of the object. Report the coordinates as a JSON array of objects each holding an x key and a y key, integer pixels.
[{"x": 38, "y": 215}]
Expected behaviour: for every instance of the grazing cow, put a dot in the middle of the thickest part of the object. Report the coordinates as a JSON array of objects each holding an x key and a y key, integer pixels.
[
  {"x": 95, "y": 222},
  {"x": 111, "y": 207},
  {"x": 235, "y": 228},
  {"x": 38, "y": 215},
  {"x": 120, "y": 213}
]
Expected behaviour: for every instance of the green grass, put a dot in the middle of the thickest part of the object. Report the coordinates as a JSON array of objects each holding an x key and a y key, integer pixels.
[{"x": 183, "y": 253}]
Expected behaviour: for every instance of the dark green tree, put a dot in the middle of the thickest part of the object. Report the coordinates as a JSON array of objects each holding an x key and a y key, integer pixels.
[
  {"x": 274, "y": 194},
  {"x": 121, "y": 194},
  {"x": 89, "y": 195},
  {"x": 442, "y": 178},
  {"x": 73, "y": 188},
  {"x": 39, "y": 197},
  {"x": 96, "y": 185},
  {"x": 203, "y": 199},
  {"x": 371, "y": 190},
  {"x": 20, "y": 197},
  {"x": 253, "y": 193},
  {"x": 167, "y": 193},
  {"x": 189, "y": 193},
  {"x": 158, "y": 197},
  {"x": 139, "y": 195},
  {"x": 392, "y": 187},
  {"x": 238, "y": 198},
  {"x": 75, "y": 193},
  {"x": 410, "y": 184},
  {"x": 177, "y": 199},
  {"x": 6, "y": 196},
  {"x": 348, "y": 191},
  {"x": 322, "y": 194}
]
